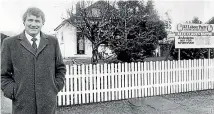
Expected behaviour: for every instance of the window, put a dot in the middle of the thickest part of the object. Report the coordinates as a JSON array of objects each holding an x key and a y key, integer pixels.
[
  {"x": 80, "y": 43},
  {"x": 96, "y": 12},
  {"x": 62, "y": 40}
]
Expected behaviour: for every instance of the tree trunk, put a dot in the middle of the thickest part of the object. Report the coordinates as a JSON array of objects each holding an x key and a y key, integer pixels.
[{"x": 94, "y": 58}]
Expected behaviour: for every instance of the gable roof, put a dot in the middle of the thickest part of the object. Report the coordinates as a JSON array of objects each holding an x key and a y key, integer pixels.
[
  {"x": 210, "y": 21},
  {"x": 99, "y": 4},
  {"x": 3, "y": 36},
  {"x": 61, "y": 25}
]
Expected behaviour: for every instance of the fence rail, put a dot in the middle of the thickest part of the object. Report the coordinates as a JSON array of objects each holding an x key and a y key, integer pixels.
[{"x": 106, "y": 82}]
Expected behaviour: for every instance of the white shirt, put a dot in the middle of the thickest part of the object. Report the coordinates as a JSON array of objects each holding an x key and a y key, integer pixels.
[{"x": 30, "y": 37}]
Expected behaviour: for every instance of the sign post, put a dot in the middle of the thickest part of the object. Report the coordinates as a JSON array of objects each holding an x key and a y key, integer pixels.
[
  {"x": 209, "y": 53},
  {"x": 179, "y": 54}
]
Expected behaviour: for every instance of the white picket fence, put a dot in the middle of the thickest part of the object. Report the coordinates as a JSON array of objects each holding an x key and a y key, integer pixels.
[{"x": 107, "y": 82}]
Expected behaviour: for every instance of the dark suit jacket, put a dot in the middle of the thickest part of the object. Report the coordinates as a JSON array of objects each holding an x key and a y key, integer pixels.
[{"x": 32, "y": 79}]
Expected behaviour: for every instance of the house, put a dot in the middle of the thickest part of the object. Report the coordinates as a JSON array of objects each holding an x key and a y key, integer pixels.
[
  {"x": 72, "y": 42},
  {"x": 210, "y": 21},
  {"x": 5, "y": 34}
]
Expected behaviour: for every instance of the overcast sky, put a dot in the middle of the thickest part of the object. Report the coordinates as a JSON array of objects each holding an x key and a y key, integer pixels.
[
  {"x": 11, "y": 11},
  {"x": 185, "y": 10}
]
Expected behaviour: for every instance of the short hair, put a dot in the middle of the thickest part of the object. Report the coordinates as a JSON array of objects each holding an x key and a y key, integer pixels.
[{"x": 34, "y": 11}]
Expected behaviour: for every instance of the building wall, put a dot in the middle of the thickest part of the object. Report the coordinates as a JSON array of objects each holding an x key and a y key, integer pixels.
[{"x": 67, "y": 36}]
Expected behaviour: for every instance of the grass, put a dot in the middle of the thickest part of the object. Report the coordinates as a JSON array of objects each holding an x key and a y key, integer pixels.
[{"x": 88, "y": 60}]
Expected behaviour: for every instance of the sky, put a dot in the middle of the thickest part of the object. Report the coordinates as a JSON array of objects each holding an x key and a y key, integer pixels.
[
  {"x": 181, "y": 11},
  {"x": 11, "y": 12}
]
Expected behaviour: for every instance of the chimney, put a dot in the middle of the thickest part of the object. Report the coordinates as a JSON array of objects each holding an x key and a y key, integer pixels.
[{"x": 77, "y": 7}]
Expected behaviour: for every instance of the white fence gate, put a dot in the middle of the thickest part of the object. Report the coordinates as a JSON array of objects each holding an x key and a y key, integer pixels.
[{"x": 106, "y": 82}]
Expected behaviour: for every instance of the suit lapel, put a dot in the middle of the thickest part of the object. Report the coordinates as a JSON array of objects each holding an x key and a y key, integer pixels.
[
  {"x": 43, "y": 43},
  {"x": 26, "y": 44}
]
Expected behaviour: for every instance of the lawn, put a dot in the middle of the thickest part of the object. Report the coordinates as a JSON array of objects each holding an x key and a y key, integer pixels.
[{"x": 88, "y": 60}]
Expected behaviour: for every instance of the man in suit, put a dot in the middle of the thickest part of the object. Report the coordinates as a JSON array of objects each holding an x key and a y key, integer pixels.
[{"x": 32, "y": 68}]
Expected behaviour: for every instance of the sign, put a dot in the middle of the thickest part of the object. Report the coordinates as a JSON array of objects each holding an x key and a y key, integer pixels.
[
  {"x": 195, "y": 27},
  {"x": 194, "y": 36}
]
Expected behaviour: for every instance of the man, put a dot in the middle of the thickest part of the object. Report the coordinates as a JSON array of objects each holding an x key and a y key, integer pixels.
[{"x": 32, "y": 68}]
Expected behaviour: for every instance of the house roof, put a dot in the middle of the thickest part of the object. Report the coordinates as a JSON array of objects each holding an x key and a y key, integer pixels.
[
  {"x": 61, "y": 25},
  {"x": 210, "y": 21},
  {"x": 3, "y": 36},
  {"x": 99, "y": 4}
]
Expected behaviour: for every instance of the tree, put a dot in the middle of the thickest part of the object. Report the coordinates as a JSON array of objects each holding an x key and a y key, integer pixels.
[
  {"x": 94, "y": 25},
  {"x": 197, "y": 53},
  {"x": 168, "y": 21},
  {"x": 131, "y": 29},
  {"x": 196, "y": 20},
  {"x": 137, "y": 31}
]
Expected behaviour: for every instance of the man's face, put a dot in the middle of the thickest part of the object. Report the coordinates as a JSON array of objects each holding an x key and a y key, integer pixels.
[{"x": 33, "y": 25}]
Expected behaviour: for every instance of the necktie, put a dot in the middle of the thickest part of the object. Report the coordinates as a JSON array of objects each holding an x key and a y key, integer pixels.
[{"x": 34, "y": 43}]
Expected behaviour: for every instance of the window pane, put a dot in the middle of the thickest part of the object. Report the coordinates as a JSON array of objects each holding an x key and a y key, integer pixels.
[{"x": 80, "y": 44}]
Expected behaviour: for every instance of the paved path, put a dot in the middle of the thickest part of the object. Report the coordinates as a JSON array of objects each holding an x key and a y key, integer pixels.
[{"x": 201, "y": 102}]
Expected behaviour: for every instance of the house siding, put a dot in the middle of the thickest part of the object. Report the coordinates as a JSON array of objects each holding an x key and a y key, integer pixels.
[{"x": 68, "y": 44}]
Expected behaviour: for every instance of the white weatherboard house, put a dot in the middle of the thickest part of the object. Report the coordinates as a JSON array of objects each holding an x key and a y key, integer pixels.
[
  {"x": 74, "y": 45},
  {"x": 72, "y": 42}
]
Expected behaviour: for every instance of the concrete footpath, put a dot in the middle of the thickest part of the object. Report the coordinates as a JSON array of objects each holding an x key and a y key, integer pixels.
[{"x": 200, "y": 102}]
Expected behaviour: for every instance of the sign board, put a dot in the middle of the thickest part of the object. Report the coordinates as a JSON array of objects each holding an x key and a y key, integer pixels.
[{"x": 194, "y": 36}]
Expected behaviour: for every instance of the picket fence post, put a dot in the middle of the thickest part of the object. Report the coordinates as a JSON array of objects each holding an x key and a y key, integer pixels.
[{"x": 89, "y": 83}]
